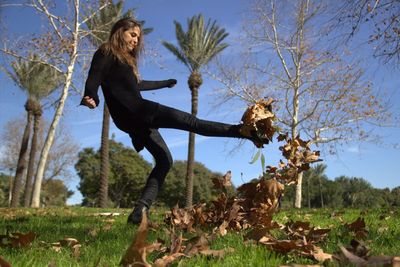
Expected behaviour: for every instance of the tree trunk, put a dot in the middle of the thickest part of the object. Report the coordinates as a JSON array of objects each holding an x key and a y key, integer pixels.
[
  {"x": 308, "y": 192},
  {"x": 21, "y": 164},
  {"x": 28, "y": 185},
  {"x": 50, "y": 136},
  {"x": 297, "y": 203},
  {"x": 104, "y": 164},
  {"x": 191, "y": 148},
  {"x": 320, "y": 193},
  {"x": 10, "y": 187}
]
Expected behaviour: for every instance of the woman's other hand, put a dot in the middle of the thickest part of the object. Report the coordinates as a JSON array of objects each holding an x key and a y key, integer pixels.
[
  {"x": 171, "y": 82},
  {"x": 89, "y": 102}
]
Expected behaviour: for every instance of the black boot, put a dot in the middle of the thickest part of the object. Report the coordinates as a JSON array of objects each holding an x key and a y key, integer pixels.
[
  {"x": 136, "y": 215},
  {"x": 253, "y": 135}
]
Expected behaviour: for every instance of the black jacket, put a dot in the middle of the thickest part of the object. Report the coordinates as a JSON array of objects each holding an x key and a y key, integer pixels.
[{"x": 129, "y": 111}]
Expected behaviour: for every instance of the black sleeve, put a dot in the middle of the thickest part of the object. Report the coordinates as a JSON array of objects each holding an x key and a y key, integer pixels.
[
  {"x": 152, "y": 85},
  {"x": 98, "y": 69}
]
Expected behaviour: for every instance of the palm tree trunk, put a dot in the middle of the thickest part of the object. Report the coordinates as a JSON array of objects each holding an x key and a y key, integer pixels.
[
  {"x": 32, "y": 155},
  {"x": 21, "y": 165},
  {"x": 104, "y": 164},
  {"x": 308, "y": 192},
  {"x": 320, "y": 192},
  {"x": 10, "y": 187},
  {"x": 191, "y": 148}
]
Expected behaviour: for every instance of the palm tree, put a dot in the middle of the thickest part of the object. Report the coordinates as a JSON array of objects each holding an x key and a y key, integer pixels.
[
  {"x": 315, "y": 175},
  {"x": 196, "y": 47},
  {"x": 37, "y": 80},
  {"x": 100, "y": 26},
  {"x": 37, "y": 113}
]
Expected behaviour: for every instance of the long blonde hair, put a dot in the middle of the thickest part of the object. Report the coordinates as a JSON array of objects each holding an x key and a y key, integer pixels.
[{"x": 117, "y": 46}]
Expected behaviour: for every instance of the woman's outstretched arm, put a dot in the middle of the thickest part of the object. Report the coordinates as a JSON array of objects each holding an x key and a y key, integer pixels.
[{"x": 152, "y": 85}]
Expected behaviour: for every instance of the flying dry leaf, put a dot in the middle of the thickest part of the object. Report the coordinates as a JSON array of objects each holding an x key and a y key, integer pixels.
[
  {"x": 198, "y": 243},
  {"x": 227, "y": 179},
  {"x": 222, "y": 228},
  {"x": 260, "y": 110},
  {"x": 176, "y": 243},
  {"x": 136, "y": 252}
]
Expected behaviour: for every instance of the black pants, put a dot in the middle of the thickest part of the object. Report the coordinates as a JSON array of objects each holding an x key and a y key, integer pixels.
[{"x": 167, "y": 117}]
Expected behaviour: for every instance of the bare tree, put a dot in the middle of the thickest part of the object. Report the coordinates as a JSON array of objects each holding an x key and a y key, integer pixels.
[
  {"x": 62, "y": 155},
  {"x": 380, "y": 18},
  {"x": 321, "y": 94},
  {"x": 59, "y": 47}
]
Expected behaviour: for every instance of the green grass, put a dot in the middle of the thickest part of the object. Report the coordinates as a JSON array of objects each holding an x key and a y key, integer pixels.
[{"x": 106, "y": 247}]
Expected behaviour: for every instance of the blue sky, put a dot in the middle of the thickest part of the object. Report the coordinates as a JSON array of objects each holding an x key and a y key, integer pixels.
[{"x": 377, "y": 164}]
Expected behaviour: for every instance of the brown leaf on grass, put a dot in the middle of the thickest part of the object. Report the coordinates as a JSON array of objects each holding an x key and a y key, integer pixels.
[
  {"x": 93, "y": 232},
  {"x": 353, "y": 258},
  {"x": 356, "y": 225},
  {"x": 320, "y": 255},
  {"x": 167, "y": 259},
  {"x": 136, "y": 254},
  {"x": 198, "y": 243},
  {"x": 358, "y": 228},
  {"x": 359, "y": 249},
  {"x": 384, "y": 261},
  {"x": 4, "y": 263},
  {"x": 17, "y": 240},
  {"x": 76, "y": 250},
  {"x": 107, "y": 214},
  {"x": 301, "y": 265},
  {"x": 217, "y": 253},
  {"x": 69, "y": 242},
  {"x": 396, "y": 261},
  {"x": 56, "y": 246}
]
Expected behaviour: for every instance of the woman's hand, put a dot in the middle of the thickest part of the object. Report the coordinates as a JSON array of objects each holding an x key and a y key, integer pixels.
[
  {"x": 171, "y": 82},
  {"x": 89, "y": 102}
]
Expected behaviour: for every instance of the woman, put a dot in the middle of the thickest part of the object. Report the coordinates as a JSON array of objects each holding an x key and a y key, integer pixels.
[{"x": 114, "y": 67}]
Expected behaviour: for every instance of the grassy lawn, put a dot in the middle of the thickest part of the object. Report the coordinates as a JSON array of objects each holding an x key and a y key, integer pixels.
[{"x": 104, "y": 240}]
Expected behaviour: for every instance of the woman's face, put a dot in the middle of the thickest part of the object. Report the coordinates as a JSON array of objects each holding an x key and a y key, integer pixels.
[{"x": 131, "y": 38}]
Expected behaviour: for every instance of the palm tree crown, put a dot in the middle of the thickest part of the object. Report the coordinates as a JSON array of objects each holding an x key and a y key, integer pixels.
[
  {"x": 36, "y": 78},
  {"x": 201, "y": 43}
]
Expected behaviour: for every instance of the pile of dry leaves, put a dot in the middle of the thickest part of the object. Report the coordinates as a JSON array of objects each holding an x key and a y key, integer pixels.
[{"x": 253, "y": 210}]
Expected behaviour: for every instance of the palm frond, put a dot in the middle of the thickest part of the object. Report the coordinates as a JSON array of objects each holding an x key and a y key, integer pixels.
[
  {"x": 36, "y": 79},
  {"x": 100, "y": 25},
  {"x": 200, "y": 43}
]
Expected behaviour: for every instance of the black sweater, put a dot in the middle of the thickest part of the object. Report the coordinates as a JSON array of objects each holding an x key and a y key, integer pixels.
[{"x": 129, "y": 111}]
